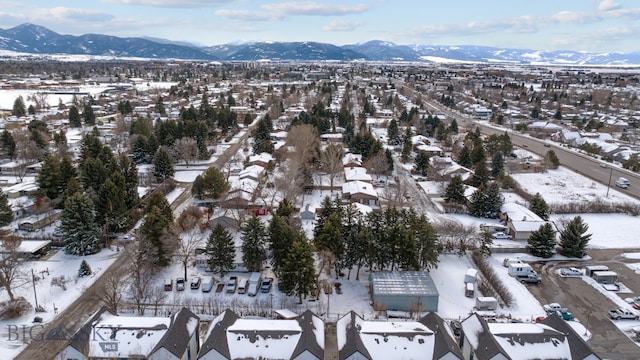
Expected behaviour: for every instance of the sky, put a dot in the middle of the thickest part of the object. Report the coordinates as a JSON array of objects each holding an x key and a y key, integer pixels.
[{"x": 582, "y": 25}]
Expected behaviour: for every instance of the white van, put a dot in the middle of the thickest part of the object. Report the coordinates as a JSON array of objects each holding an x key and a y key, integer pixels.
[
  {"x": 623, "y": 182},
  {"x": 207, "y": 283}
]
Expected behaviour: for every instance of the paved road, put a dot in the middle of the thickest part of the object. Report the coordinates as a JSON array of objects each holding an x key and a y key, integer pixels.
[
  {"x": 590, "y": 306},
  {"x": 58, "y": 331}
]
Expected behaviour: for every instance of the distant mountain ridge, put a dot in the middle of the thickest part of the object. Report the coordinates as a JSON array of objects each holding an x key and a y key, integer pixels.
[{"x": 35, "y": 39}]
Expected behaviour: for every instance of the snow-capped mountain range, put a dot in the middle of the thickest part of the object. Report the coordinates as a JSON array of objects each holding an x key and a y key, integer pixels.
[{"x": 34, "y": 39}]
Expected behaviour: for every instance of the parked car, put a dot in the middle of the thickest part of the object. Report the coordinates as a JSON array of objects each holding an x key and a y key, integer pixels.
[
  {"x": 180, "y": 284},
  {"x": 553, "y": 307},
  {"x": 565, "y": 315},
  {"x": 571, "y": 272},
  {"x": 242, "y": 286},
  {"x": 529, "y": 279},
  {"x": 195, "y": 283},
  {"x": 265, "y": 287},
  {"x": 508, "y": 261},
  {"x": 168, "y": 285},
  {"x": 619, "y": 314},
  {"x": 501, "y": 236},
  {"x": 547, "y": 145},
  {"x": 456, "y": 327},
  {"x": 232, "y": 284}
]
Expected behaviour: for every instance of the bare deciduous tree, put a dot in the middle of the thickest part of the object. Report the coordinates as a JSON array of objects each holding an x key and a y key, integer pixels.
[
  {"x": 456, "y": 236},
  {"x": 27, "y": 152},
  {"x": 377, "y": 164},
  {"x": 188, "y": 242},
  {"x": 10, "y": 262},
  {"x": 186, "y": 149},
  {"x": 111, "y": 292},
  {"x": 331, "y": 159}
]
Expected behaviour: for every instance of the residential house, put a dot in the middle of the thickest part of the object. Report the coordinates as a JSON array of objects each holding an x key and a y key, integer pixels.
[
  {"x": 543, "y": 128},
  {"x": 357, "y": 174},
  {"x": 549, "y": 340},
  {"x": 520, "y": 221},
  {"x": 425, "y": 339},
  {"x": 108, "y": 336},
  {"x": 231, "y": 337},
  {"x": 360, "y": 192},
  {"x": 350, "y": 160},
  {"x": 262, "y": 159}
]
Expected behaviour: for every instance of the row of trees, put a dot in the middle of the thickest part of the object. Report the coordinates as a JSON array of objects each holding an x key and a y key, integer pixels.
[
  {"x": 389, "y": 239},
  {"x": 573, "y": 239}
]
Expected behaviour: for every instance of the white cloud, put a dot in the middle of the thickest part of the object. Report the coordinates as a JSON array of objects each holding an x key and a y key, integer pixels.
[
  {"x": 314, "y": 8},
  {"x": 607, "y": 5},
  {"x": 172, "y": 3},
  {"x": 246, "y": 15},
  {"x": 64, "y": 14},
  {"x": 340, "y": 25}
]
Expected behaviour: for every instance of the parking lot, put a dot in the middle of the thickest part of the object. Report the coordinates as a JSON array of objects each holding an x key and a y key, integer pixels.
[{"x": 587, "y": 304}]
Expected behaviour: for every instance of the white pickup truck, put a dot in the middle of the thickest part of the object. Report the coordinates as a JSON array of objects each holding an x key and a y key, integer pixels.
[
  {"x": 553, "y": 307},
  {"x": 618, "y": 314}
]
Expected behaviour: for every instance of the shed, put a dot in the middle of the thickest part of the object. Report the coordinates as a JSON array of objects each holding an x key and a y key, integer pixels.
[
  {"x": 403, "y": 291},
  {"x": 470, "y": 275},
  {"x": 589, "y": 270},
  {"x": 605, "y": 277}
]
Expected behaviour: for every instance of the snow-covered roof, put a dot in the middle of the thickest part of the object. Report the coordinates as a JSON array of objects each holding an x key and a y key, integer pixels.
[
  {"x": 251, "y": 171},
  {"x": 262, "y": 157},
  {"x": 517, "y": 212},
  {"x": 359, "y": 187},
  {"x": 350, "y": 158},
  {"x": 356, "y": 173},
  {"x": 416, "y": 283}
]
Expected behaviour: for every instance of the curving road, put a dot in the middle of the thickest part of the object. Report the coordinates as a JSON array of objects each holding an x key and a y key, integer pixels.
[{"x": 56, "y": 333}]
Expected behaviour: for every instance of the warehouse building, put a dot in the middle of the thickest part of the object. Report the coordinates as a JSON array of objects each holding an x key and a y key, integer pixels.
[{"x": 403, "y": 291}]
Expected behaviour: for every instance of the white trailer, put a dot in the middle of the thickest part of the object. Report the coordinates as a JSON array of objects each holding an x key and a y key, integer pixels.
[
  {"x": 254, "y": 284},
  {"x": 520, "y": 270},
  {"x": 486, "y": 303},
  {"x": 470, "y": 276}
]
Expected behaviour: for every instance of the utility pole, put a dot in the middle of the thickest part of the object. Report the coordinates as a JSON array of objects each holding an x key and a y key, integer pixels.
[
  {"x": 35, "y": 296},
  {"x": 609, "y": 183}
]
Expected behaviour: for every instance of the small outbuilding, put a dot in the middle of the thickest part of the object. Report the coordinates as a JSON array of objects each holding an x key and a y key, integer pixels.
[
  {"x": 403, "y": 291},
  {"x": 605, "y": 277},
  {"x": 589, "y": 270}
]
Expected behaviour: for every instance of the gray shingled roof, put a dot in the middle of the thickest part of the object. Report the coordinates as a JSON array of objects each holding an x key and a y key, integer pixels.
[
  {"x": 354, "y": 343},
  {"x": 308, "y": 341},
  {"x": 217, "y": 339},
  {"x": 443, "y": 343},
  {"x": 491, "y": 346},
  {"x": 176, "y": 339},
  {"x": 579, "y": 348}
]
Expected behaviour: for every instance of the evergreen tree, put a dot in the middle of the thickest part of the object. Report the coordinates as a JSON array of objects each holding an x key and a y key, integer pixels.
[
  {"x": 130, "y": 172},
  {"x": 74, "y": 117},
  {"x": 19, "y": 109},
  {"x": 156, "y": 236},
  {"x": 407, "y": 145},
  {"x": 220, "y": 250},
  {"x": 454, "y": 192},
  {"x": 477, "y": 154},
  {"x": 481, "y": 175},
  {"x": 486, "y": 240},
  {"x": 421, "y": 163},
  {"x": 111, "y": 209},
  {"x": 48, "y": 178},
  {"x": 393, "y": 132},
  {"x": 497, "y": 165},
  {"x": 541, "y": 242},
  {"x": 77, "y": 223},
  {"x": 198, "y": 187},
  {"x": 551, "y": 160},
  {"x": 428, "y": 247},
  {"x": 389, "y": 155},
  {"x": 8, "y": 144},
  {"x": 158, "y": 200},
  {"x": 464, "y": 158},
  {"x": 85, "y": 269},
  {"x": 494, "y": 200},
  {"x": 214, "y": 183},
  {"x": 88, "y": 115},
  {"x": 281, "y": 237},
  {"x": 298, "y": 272},
  {"x": 6, "y": 214},
  {"x": 539, "y": 207},
  {"x": 574, "y": 238},
  {"x": 254, "y": 237},
  {"x": 163, "y": 165}
]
